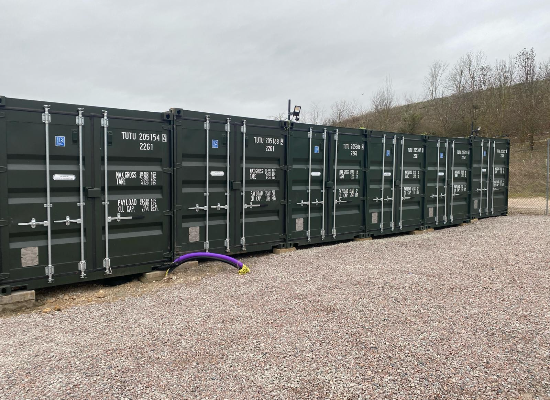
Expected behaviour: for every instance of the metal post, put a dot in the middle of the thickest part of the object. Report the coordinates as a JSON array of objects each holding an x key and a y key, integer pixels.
[
  {"x": 325, "y": 134},
  {"x": 289, "y": 111},
  {"x": 107, "y": 260},
  {"x": 547, "y": 172},
  {"x": 382, "y": 186},
  {"x": 452, "y": 180},
  {"x": 82, "y": 263},
  {"x": 402, "y": 186},
  {"x": 393, "y": 186},
  {"x": 335, "y": 183},
  {"x": 46, "y": 118},
  {"x": 207, "y": 194},
  {"x": 481, "y": 179},
  {"x": 310, "y": 134},
  {"x": 227, "y": 189},
  {"x": 243, "y": 130},
  {"x": 437, "y": 184},
  {"x": 488, "y": 175}
]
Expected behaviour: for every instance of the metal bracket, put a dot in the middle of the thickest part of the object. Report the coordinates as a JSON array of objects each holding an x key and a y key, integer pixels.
[
  {"x": 107, "y": 266},
  {"x": 49, "y": 271},
  {"x": 82, "y": 268}
]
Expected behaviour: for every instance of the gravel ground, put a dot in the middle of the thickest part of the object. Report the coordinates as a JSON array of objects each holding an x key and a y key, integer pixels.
[{"x": 460, "y": 313}]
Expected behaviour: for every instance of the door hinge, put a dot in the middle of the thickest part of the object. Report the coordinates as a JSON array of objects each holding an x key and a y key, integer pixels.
[
  {"x": 167, "y": 170},
  {"x": 170, "y": 213},
  {"x": 2, "y": 114},
  {"x": 283, "y": 202},
  {"x": 3, "y": 169},
  {"x": 4, "y": 276},
  {"x": 168, "y": 255},
  {"x": 285, "y": 167},
  {"x": 3, "y": 222}
]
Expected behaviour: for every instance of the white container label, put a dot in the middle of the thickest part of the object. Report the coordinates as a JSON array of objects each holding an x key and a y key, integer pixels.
[
  {"x": 315, "y": 174},
  {"x": 387, "y": 173},
  {"x": 441, "y": 174},
  {"x": 64, "y": 177},
  {"x": 217, "y": 173}
]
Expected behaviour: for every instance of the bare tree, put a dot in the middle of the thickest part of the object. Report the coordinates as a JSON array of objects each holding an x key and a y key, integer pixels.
[
  {"x": 433, "y": 83},
  {"x": 382, "y": 103},
  {"x": 315, "y": 114},
  {"x": 278, "y": 117}
]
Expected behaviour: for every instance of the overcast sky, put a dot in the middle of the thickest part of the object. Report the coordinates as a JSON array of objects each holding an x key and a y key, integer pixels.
[{"x": 244, "y": 57}]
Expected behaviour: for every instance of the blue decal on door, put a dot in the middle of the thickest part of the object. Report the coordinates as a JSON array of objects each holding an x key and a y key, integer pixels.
[
  {"x": 214, "y": 144},
  {"x": 440, "y": 155},
  {"x": 484, "y": 153},
  {"x": 316, "y": 149},
  {"x": 387, "y": 153},
  {"x": 60, "y": 141}
]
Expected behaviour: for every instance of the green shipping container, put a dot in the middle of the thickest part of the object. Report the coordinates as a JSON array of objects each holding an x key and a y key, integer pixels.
[{"x": 88, "y": 193}]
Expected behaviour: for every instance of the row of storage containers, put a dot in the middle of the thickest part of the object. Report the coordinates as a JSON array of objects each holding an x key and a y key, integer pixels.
[{"x": 87, "y": 192}]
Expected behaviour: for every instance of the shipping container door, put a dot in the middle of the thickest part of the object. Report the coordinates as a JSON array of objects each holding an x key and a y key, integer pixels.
[
  {"x": 499, "y": 177},
  {"x": 42, "y": 240},
  {"x": 481, "y": 159},
  {"x": 133, "y": 172},
  {"x": 381, "y": 196},
  {"x": 307, "y": 160},
  {"x": 347, "y": 200},
  {"x": 262, "y": 148},
  {"x": 410, "y": 176},
  {"x": 459, "y": 199},
  {"x": 202, "y": 179},
  {"x": 436, "y": 212}
]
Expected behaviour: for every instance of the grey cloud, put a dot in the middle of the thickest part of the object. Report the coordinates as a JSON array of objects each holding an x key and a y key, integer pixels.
[{"x": 247, "y": 57}]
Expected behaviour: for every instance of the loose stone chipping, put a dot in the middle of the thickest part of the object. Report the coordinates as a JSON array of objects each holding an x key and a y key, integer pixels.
[{"x": 462, "y": 313}]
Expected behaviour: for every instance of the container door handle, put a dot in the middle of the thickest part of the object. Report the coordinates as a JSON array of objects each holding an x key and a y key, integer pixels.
[
  {"x": 67, "y": 221},
  {"x": 118, "y": 218},
  {"x": 33, "y": 223}
]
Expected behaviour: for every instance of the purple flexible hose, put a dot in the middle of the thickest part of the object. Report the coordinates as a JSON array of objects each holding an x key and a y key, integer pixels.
[{"x": 221, "y": 257}]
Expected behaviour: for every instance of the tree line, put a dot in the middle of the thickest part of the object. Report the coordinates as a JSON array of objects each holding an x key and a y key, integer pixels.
[{"x": 509, "y": 98}]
